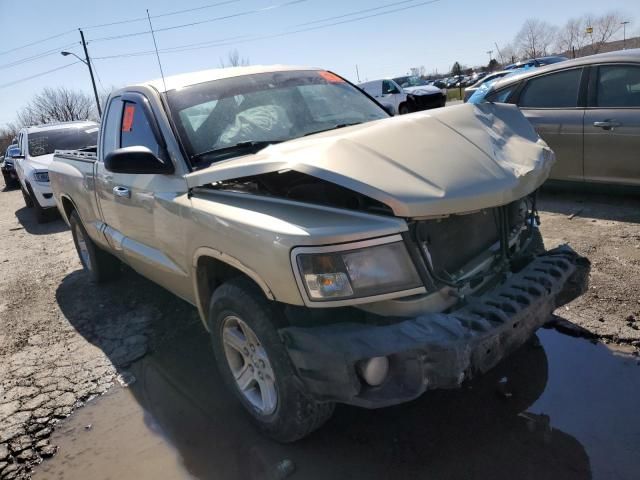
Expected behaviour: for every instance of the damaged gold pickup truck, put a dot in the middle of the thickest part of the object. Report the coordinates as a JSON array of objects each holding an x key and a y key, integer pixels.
[{"x": 335, "y": 253}]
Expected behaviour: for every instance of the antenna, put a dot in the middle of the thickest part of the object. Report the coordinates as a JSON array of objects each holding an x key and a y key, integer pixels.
[{"x": 156, "y": 47}]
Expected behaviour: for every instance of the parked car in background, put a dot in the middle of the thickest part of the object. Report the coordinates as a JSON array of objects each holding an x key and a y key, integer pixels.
[
  {"x": 416, "y": 85},
  {"x": 536, "y": 62},
  {"x": 335, "y": 254},
  {"x": 7, "y": 165},
  {"x": 37, "y": 145},
  {"x": 587, "y": 110},
  {"x": 470, "y": 90},
  {"x": 404, "y": 101}
]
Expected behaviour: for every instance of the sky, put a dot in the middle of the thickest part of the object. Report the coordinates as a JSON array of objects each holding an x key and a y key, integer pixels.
[{"x": 434, "y": 34}]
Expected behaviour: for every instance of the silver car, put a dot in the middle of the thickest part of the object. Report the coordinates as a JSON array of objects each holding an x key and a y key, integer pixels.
[{"x": 587, "y": 110}]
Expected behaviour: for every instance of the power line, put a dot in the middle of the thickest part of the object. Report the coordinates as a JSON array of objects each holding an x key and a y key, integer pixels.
[
  {"x": 37, "y": 56},
  {"x": 175, "y": 12},
  {"x": 37, "y": 75},
  {"x": 200, "y": 22},
  {"x": 239, "y": 39},
  {"x": 37, "y": 41}
]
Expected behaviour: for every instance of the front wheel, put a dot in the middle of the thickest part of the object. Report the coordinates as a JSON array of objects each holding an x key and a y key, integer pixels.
[
  {"x": 27, "y": 199},
  {"x": 255, "y": 366},
  {"x": 100, "y": 265},
  {"x": 403, "y": 109}
]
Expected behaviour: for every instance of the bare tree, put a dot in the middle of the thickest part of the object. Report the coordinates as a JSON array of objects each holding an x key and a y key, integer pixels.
[
  {"x": 508, "y": 54},
  {"x": 604, "y": 27},
  {"x": 57, "y": 105},
  {"x": 572, "y": 35},
  {"x": 7, "y": 135},
  {"x": 234, "y": 60},
  {"x": 535, "y": 38}
]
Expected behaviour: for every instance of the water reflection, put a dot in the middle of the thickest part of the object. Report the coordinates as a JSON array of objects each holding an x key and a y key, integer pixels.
[{"x": 483, "y": 431}]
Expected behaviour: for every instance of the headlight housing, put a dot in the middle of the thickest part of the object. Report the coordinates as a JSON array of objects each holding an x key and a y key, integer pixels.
[
  {"x": 41, "y": 176},
  {"x": 358, "y": 272}
]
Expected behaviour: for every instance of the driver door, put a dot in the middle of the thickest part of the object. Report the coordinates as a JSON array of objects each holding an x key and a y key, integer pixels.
[
  {"x": 142, "y": 220},
  {"x": 392, "y": 94}
]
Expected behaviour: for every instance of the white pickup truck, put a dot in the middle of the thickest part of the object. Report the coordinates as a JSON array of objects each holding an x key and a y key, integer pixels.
[
  {"x": 335, "y": 254},
  {"x": 36, "y": 146}
]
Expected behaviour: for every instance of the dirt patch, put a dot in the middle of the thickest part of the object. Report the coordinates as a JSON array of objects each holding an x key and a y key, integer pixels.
[{"x": 606, "y": 229}]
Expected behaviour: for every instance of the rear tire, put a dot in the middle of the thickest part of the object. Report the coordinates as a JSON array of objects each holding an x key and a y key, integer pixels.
[
  {"x": 239, "y": 304},
  {"x": 100, "y": 265}
]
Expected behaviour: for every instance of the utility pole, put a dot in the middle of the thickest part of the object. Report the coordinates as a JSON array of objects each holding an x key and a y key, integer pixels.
[
  {"x": 624, "y": 34},
  {"x": 88, "y": 63},
  {"x": 490, "y": 53}
]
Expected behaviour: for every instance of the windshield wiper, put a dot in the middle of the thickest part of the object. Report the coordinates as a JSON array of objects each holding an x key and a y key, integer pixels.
[
  {"x": 335, "y": 127},
  {"x": 249, "y": 147}
]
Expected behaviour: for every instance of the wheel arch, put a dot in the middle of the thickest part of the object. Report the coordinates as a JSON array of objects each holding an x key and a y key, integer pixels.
[
  {"x": 212, "y": 268},
  {"x": 68, "y": 206}
]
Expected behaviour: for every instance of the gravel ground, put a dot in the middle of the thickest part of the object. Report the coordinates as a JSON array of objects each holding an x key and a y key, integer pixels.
[{"x": 64, "y": 340}]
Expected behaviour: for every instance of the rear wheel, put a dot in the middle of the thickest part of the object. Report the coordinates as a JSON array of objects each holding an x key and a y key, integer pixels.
[
  {"x": 255, "y": 365},
  {"x": 100, "y": 265}
]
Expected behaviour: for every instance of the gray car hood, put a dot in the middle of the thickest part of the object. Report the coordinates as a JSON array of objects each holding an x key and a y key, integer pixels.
[
  {"x": 422, "y": 90},
  {"x": 450, "y": 160}
]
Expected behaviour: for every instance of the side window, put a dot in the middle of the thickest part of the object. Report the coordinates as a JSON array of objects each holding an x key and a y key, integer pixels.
[
  {"x": 556, "y": 90},
  {"x": 111, "y": 136},
  {"x": 135, "y": 129},
  {"x": 388, "y": 87},
  {"x": 618, "y": 86},
  {"x": 501, "y": 96}
]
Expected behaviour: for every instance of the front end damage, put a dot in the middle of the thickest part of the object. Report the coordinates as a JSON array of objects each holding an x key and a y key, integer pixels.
[
  {"x": 460, "y": 185},
  {"x": 436, "y": 350}
]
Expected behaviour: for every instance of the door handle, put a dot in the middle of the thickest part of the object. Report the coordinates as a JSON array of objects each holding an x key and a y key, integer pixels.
[
  {"x": 607, "y": 124},
  {"x": 122, "y": 192}
]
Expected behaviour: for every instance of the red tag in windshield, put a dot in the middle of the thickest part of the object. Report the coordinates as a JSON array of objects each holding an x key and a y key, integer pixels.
[
  {"x": 127, "y": 119},
  {"x": 331, "y": 77}
]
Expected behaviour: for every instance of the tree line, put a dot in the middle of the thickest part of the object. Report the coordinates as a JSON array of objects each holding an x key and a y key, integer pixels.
[{"x": 537, "y": 38}]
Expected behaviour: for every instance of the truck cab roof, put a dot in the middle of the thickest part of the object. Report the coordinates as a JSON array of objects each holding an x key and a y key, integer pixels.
[{"x": 174, "y": 82}]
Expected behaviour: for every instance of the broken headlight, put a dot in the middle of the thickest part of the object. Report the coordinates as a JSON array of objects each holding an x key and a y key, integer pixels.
[{"x": 358, "y": 273}]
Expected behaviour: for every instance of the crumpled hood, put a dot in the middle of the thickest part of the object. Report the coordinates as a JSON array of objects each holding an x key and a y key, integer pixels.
[
  {"x": 423, "y": 90},
  {"x": 450, "y": 160}
]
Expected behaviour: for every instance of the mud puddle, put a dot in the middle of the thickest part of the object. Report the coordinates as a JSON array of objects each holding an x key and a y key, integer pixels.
[{"x": 567, "y": 409}]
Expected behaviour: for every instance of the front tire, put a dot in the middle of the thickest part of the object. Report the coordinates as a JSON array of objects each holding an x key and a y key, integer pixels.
[
  {"x": 27, "y": 199},
  {"x": 255, "y": 365},
  {"x": 403, "y": 109},
  {"x": 100, "y": 265}
]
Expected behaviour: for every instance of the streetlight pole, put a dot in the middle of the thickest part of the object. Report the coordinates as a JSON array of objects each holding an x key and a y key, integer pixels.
[
  {"x": 490, "y": 53},
  {"x": 87, "y": 62},
  {"x": 624, "y": 34}
]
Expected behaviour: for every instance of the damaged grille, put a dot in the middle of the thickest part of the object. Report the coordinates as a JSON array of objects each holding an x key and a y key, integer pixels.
[{"x": 455, "y": 241}]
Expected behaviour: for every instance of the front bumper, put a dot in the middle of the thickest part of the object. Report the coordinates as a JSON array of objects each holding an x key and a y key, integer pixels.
[
  {"x": 43, "y": 194},
  {"x": 418, "y": 103},
  {"x": 436, "y": 350}
]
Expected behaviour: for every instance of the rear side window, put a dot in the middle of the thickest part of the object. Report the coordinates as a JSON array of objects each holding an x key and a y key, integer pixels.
[
  {"x": 618, "y": 86},
  {"x": 135, "y": 129},
  {"x": 111, "y": 137},
  {"x": 556, "y": 90}
]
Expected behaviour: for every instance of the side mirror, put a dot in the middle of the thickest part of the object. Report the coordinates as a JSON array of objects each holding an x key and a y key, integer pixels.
[
  {"x": 17, "y": 156},
  {"x": 388, "y": 108},
  {"x": 138, "y": 160}
]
